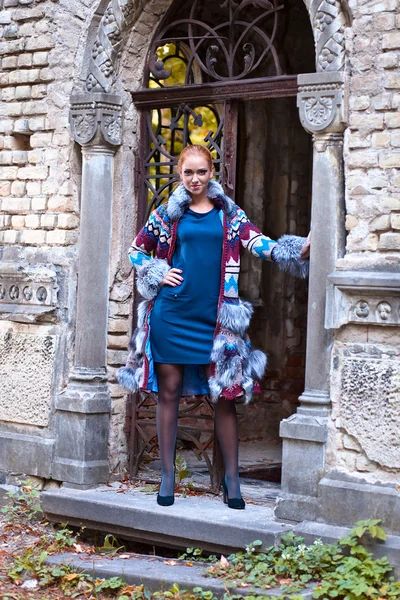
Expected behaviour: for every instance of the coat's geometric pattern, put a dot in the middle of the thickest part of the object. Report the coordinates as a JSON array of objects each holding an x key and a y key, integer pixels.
[{"x": 235, "y": 366}]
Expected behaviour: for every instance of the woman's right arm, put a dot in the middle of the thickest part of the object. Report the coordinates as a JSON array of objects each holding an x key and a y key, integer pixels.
[{"x": 150, "y": 271}]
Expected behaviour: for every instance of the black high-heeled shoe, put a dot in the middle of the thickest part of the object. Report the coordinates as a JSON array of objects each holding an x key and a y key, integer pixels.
[
  {"x": 237, "y": 503},
  {"x": 165, "y": 500}
]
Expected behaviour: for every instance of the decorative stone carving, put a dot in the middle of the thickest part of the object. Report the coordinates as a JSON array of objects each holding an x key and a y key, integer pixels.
[
  {"x": 321, "y": 102},
  {"x": 27, "y": 358},
  {"x": 369, "y": 400},
  {"x": 106, "y": 50},
  {"x": 362, "y": 309},
  {"x": 96, "y": 116},
  {"x": 328, "y": 20},
  {"x": 363, "y": 297},
  {"x": 28, "y": 292}
]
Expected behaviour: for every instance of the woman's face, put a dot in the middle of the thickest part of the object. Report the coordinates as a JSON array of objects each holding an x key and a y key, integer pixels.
[{"x": 195, "y": 174}]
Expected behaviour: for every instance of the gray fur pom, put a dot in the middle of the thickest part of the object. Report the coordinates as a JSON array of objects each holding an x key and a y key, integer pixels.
[
  {"x": 215, "y": 388},
  {"x": 247, "y": 385},
  {"x": 149, "y": 277},
  {"x": 286, "y": 254},
  {"x": 141, "y": 312},
  {"x": 217, "y": 352},
  {"x": 127, "y": 378},
  {"x": 255, "y": 364},
  {"x": 235, "y": 317}
]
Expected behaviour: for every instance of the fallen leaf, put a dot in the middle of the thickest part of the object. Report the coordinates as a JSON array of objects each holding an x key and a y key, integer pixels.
[
  {"x": 71, "y": 576},
  {"x": 30, "y": 584},
  {"x": 78, "y": 548},
  {"x": 224, "y": 562},
  {"x": 170, "y": 563},
  {"x": 124, "y": 556}
]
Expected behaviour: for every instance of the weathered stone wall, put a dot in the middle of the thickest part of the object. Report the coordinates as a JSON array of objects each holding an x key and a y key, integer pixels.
[
  {"x": 365, "y": 362},
  {"x": 44, "y": 51}
]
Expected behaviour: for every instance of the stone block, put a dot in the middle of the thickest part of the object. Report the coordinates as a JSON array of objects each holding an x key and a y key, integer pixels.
[
  {"x": 33, "y": 188},
  {"x": 41, "y": 42},
  {"x": 32, "y": 221},
  {"x": 5, "y": 188},
  {"x": 382, "y": 101},
  {"x": 9, "y": 237},
  {"x": 118, "y": 325},
  {"x": 380, "y": 223},
  {"x": 38, "y": 107},
  {"x": 39, "y": 91},
  {"x": 6, "y": 157},
  {"x": 18, "y": 188},
  {"x": 22, "y": 357},
  {"x": 8, "y": 94},
  {"x": 33, "y": 237},
  {"x": 392, "y": 80},
  {"x": 391, "y": 41},
  {"x": 61, "y": 237},
  {"x": 41, "y": 140},
  {"x": 359, "y": 102},
  {"x": 39, "y": 203},
  {"x": 25, "y": 60},
  {"x": 27, "y": 14},
  {"x": 33, "y": 173},
  {"x": 61, "y": 204},
  {"x": 381, "y": 139},
  {"x": 29, "y": 454},
  {"x": 22, "y": 92},
  {"x": 389, "y": 241},
  {"x": 389, "y": 60},
  {"x": 22, "y": 76},
  {"x": 366, "y": 121},
  {"x": 9, "y": 62},
  {"x": 389, "y": 159},
  {"x": 67, "y": 221},
  {"x": 18, "y": 221},
  {"x": 363, "y": 159},
  {"x": 392, "y": 120},
  {"x": 40, "y": 58},
  {"x": 19, "y": 157},
  {"x": 390, "y": 203},
  {"x": 35, "y": 156},
  {"x": 36, "y": 123},
  {"x": 8, "y": 173},
  {"x": 395, "y": 139},
  {"x": 48, "y": 221},
  {"x": 395, "y": 221},
  {"x": 15, "y": 205}
]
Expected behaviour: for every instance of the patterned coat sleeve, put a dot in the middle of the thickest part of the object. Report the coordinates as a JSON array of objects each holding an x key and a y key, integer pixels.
[
  {"x": 286, "y": 252},
  {"x": 150, "y": 271},
  {"x": 252, "y": 239}
]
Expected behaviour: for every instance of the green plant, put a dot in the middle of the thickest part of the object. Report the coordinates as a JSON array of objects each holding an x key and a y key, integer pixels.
[
  {"x": 345, "y": 570},
  {"x": 24, "y": 504},
  {"x": 196, "y": 555},
  {"x": 181, "y": 470}
]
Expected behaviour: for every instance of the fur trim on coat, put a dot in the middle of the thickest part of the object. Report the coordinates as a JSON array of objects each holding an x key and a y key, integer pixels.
[{"x": 235, "y": 366}]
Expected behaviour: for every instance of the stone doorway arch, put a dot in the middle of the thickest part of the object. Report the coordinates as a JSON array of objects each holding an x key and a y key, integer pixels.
[{"x": 96, "y": 122}]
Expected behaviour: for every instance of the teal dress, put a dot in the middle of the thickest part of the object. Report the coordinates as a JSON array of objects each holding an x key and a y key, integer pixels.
[{"x": 184, "y": 317}]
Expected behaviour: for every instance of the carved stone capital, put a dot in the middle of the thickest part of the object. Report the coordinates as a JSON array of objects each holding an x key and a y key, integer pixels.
[
  {"x": 368, "y": 298},
  {"x": 96, "y": 119},
  {"x": 321, "y": 102}
]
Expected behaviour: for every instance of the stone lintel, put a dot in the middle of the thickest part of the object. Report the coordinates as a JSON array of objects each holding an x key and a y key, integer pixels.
[
  {"x": 21, "y": 453},
  {"x": 306, "y": 428},
  {"x": 96, "y": 118},
  {"x": 362, "y": 297},
  {"x": 321, "y": 102}
]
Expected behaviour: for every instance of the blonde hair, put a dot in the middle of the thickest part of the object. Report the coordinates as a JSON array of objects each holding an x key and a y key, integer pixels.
[{"x": 196, "y": 149}]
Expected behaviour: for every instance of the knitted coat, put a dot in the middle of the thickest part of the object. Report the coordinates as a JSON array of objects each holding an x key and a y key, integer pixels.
[{"x": 236, "y": 367}]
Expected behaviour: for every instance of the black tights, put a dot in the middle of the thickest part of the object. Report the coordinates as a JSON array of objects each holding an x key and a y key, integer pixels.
[{"x": 169, "y": 392}]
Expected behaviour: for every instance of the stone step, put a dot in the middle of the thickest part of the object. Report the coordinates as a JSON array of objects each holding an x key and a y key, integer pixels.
[
  {"x": 157, "y": 574},
  {"x": 194, "y": 521}
]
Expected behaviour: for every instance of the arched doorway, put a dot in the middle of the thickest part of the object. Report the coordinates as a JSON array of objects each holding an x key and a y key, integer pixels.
[{"x": 233, "y": 88}]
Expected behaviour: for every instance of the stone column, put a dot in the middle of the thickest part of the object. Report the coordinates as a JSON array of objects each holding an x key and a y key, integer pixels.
[
  {"x": 83, "y": 408},
  {"x": 321, "y": 105}
]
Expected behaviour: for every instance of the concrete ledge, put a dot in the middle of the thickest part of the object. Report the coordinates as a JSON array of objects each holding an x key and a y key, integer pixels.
[
  {"x": 155, "y": 574},
  {"x": 192, "y": 521},
  {"x": 28, "y": 454},
  {"x": 343, "y": 502}
]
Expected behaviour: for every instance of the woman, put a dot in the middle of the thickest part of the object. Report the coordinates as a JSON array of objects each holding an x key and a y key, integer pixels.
[{"x": 191, "y": 337}]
